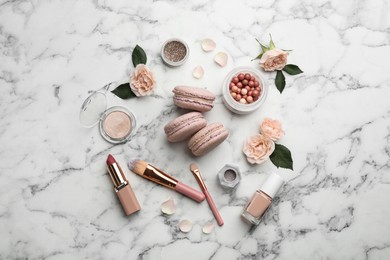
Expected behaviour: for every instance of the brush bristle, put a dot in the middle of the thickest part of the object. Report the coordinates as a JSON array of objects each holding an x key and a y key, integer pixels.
[
  {"x": 193, "y": 167},
  {"x": 137, "y": 166}
]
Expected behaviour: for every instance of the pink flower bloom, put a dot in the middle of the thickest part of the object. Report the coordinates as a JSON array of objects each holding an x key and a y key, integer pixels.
[
  {"x": 274, "y": 59},
  {"x": 142, "y": 81},
  {"x": 258, "y": 148},
  {"x": 272, "y": 129}
]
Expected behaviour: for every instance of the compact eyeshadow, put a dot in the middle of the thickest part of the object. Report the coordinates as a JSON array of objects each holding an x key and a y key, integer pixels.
[{"x": 116, "y": 124}]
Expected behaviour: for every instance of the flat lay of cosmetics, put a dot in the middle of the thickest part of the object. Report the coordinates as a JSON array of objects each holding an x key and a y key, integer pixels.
[{"x": 243, "y": 91}]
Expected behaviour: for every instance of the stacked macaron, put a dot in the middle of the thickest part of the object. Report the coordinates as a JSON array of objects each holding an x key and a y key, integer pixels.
[
  {"x": 184, "y": 126},
  {"x": 204, "y": 137},
  {"x": 207, "y": 138},
  {"x": 193, "y": 98}
]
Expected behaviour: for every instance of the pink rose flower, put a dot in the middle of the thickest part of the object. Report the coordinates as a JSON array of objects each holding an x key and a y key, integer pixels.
[
  {"x": 258, "y": 148},
  {"x": 272, "y": 129},
  {"x": 142, "y": 81},
  {"x": 274, "y": 59}
]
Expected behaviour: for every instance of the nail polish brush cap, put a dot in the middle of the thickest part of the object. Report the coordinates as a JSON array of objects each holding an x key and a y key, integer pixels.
[{"x": 272, "y": 184}]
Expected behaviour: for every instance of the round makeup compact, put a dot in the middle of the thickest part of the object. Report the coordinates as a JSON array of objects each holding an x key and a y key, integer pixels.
[
  {"x": 116, "y": 124},
  {"x": 175, "y": 52}
]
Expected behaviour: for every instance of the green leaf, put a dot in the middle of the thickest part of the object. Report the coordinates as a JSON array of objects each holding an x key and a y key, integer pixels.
[
  {"x": 263, "y": 48},
  {"x": 271, "y": 43},
  {"x": 258, "y": 57},
  {"x": 292, "y": 69},
  {"x": 281, "y": 157},
  {"x": 124, "y": 91},
  {"x": 280, "y": 81},
  {"x": 138, "y": 56}
]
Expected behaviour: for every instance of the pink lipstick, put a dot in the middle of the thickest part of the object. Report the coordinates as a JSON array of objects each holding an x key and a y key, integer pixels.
[{"x": 122, "y": 187}]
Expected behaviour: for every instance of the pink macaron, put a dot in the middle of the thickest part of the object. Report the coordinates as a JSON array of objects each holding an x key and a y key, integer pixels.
[
  {"x": 207, "y": 139},
  {"x": 184, "y": 126},
  {"x": 193, "y": 98}
]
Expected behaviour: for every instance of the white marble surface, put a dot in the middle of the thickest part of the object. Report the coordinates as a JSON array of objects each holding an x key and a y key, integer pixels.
[{"x": 56, "y": 199}]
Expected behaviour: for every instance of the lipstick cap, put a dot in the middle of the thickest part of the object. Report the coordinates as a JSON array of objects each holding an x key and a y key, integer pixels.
[{"x": 271, "y": 186}]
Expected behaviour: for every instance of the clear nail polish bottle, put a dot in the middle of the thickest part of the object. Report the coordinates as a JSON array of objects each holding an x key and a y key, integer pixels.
[{"x": 262, "y": 200}]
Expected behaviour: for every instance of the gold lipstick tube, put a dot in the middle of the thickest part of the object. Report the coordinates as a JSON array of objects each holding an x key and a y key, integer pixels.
[{"x": 123, "y": 189}]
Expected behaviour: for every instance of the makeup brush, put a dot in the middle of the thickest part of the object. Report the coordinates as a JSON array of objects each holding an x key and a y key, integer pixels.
[
  {"x": 195, "y": 170},
  {"x": 153, "y": 174}
]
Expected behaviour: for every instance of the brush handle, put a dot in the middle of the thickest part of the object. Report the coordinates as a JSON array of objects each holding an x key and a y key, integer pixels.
[
  {"x": 213, "y": 207},
  {"x": 189, "y": 192}
]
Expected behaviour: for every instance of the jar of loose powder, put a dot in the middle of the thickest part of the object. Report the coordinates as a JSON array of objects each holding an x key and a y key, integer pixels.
[{"x": 174, "y": 52}]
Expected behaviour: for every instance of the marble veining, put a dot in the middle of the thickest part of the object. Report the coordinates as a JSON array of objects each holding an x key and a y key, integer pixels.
[{"x": 57, "y": 201}]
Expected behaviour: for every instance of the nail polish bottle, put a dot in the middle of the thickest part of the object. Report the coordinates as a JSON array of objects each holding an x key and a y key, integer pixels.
[{"x": 262, "y": 200}]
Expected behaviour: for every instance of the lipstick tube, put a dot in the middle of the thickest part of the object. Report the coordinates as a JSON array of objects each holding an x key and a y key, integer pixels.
[{"x": 122, "y": 187}]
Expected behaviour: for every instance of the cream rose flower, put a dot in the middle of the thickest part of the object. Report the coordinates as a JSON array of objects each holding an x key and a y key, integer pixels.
[
  {"x": 274, "y": 59},
  {"x": 272, "y": 129},
  {"x": 142, "y": 81},
  {"x": 258, "y": 148}
]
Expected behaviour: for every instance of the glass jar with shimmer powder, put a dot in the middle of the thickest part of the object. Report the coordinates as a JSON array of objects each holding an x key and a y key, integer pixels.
[
  {"x": 175, "y": 52},
  {"x": 116, "y": 124},
  {"x": 262, "y": 199}
]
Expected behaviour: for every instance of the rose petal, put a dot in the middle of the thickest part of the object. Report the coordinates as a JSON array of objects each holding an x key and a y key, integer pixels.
[
  {"x": 221, "y": 59},
  {"x": 168, "y": 207},
  {"x": 208, "y": 45},
  {"x": 185, "y": 226},
  {"x": 198, "y": 72},
  {"x": 208, "y": 228}
]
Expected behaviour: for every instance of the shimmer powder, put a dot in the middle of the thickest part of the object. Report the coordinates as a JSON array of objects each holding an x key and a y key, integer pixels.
[
  {"x": 174, "y": 52},
  {"x": 230, "y": 175},
  {"x": 117, "y": 125}
]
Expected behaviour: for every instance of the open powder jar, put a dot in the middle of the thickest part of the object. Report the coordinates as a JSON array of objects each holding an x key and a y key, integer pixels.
[
  {"x": 237, "y": 92},
  {"x": 175, "y": 52},
  {"x": 229, "y": 176},
  {"x": 116, "y": 124}
]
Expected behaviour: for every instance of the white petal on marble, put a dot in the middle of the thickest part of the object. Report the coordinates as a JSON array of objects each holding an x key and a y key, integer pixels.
[
  {"x": 198, "y": 72},
  {"x": 221, "y": 59},
  {"x": 208, "y": 45},
  {"x": 208, "y": 227},
  {"x": 185, "y": 225},
  {"x": 168, "y": 207}
]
